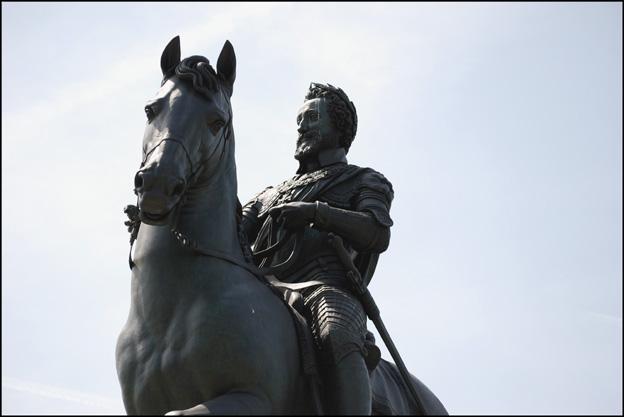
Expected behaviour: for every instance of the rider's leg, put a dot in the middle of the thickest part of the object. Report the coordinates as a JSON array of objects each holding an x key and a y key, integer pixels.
[
  {"x": 348, "y": 389},
  {"x": 339, "y": 326}
]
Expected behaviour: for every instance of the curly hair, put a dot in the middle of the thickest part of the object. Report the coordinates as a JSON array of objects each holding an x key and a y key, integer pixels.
[
  {"x": 199, "y": 72},
  {"x": 341, "y": 110}
]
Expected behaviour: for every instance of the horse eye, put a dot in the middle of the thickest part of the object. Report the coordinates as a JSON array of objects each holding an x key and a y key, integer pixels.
[
  {"x": 149, "y": 112},
  {"x": 216, "y": 125}
]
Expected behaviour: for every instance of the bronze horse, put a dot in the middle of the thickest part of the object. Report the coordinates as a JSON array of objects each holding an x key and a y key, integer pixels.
[{"x": 204, "y": 334}]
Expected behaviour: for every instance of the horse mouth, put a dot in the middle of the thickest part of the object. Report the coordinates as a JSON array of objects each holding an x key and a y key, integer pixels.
[{"x": 156, "y": 219}]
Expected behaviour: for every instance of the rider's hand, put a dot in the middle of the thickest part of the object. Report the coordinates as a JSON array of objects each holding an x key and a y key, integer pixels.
[{"x": 294, "y": 215}]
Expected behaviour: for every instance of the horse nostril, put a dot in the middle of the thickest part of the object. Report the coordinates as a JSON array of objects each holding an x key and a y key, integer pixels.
[
  {"x": 138, "y": 180},
  {"x": 179, "y": 188}
]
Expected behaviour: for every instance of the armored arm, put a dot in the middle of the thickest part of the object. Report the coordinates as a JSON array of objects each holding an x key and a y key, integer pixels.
[
  {"x": 359, "y": 228},
  {"x": 367, "y": 228},
  {"x": 366, "y": 225}
]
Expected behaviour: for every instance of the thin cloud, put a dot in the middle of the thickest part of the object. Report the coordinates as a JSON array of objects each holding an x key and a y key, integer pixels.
[
  {"x": 60, "y": 393},
  {"x": 606, "y": 317},
  {"x": 18, "y": 126}
]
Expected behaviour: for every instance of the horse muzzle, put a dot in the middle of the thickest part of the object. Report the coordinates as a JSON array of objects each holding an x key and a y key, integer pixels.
[
  {"x": 158, "y": 197},
  {"x": 155, "y": 209}
]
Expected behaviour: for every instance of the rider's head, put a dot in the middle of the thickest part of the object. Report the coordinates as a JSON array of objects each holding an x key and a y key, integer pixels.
[{"x": 326, "y": 120}]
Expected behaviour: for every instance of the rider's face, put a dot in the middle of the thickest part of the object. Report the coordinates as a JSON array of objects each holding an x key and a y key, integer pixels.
[{"x": 315, "y": 128}]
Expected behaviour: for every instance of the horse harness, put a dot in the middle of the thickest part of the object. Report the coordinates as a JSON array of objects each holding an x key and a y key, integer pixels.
[{"x": 265, "y": 274}]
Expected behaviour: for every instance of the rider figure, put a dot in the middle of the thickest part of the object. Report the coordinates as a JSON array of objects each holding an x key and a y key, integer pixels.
[{"x": 331, "y": 196}]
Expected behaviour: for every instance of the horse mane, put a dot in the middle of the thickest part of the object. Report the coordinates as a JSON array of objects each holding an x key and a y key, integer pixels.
[
  {"x": 198, "y": 70},
  {"x": 206, "y": 81}
]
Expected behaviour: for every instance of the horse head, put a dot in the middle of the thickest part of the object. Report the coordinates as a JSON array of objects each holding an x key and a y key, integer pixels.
[{"x": 189, "y": 124}]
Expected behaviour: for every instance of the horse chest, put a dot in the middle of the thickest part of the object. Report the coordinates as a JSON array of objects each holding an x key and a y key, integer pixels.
[
  {"x": 148, "y": 365},
  {"x": 195, "y": 355}
]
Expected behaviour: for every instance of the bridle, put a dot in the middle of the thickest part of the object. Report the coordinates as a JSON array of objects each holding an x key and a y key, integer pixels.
[
  {"x": 226, "y": 131},
  {"x": 133, "y": 212},
  {"x": 179, "y": 142},
  {"x": 265, "y": 273}
]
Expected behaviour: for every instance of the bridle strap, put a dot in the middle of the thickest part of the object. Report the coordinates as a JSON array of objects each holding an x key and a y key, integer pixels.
[
  {"x": 192, "y": 244},
  {"x": 179, "y": 142},
  {"x": 224, "y": 135},
  {"x": 266, "y": 275},
  {"x": 136, "y": 220}
]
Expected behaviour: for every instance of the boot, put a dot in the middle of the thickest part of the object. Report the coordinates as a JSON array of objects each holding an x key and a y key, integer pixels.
[{"x": 347, "y": 387}]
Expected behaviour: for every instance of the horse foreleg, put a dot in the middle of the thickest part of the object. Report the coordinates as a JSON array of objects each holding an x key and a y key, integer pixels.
[{"x": 232, "y": 403}]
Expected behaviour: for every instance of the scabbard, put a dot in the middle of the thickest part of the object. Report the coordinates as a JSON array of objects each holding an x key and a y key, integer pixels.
[{"x": 373, "y": 313}]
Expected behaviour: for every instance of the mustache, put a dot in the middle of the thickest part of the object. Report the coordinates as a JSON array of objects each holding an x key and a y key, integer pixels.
[{"x": 310, "y": 134}]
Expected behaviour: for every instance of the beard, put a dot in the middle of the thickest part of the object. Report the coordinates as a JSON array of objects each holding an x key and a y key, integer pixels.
[
  {"x": 308, "y": 144},
  {"x": 311, "y": 143}
]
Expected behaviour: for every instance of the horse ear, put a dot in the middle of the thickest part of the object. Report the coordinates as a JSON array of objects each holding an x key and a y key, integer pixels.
[
  {"x": 226, "y": 64},
  {"x": 170, "y": 57}
]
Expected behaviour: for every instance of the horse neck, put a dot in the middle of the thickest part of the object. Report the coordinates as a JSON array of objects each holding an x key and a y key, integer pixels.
[{"x": 208, "y": 215}]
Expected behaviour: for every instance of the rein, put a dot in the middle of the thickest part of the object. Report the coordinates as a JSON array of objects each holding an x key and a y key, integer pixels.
[{"x": 265, "y": 274}]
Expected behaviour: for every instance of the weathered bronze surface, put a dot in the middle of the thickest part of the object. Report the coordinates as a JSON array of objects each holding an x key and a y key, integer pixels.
[{"x": 211, "y": 332}]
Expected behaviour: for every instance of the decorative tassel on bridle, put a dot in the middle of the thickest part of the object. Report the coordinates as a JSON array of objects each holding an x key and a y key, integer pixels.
[{"x": 133, "y": 223}]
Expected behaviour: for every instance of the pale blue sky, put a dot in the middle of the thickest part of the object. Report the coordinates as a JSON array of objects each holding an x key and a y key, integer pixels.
[{"x": 499, "y": 126}]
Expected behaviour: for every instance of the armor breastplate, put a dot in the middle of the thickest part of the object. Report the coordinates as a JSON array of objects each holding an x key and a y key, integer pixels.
[
  {"x": 340, "y": 186},
  {"x": 317, "y": 261},
  {"x": 299, "y": 188}
]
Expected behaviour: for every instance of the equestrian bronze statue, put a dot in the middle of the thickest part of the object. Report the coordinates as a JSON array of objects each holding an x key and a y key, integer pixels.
[{"x": 253, "y": 310}]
